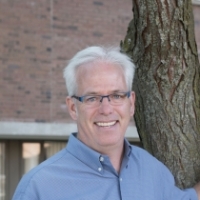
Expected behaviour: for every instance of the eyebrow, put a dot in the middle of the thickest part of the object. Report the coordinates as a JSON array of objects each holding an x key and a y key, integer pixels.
[{"x": 95, "y": 93}]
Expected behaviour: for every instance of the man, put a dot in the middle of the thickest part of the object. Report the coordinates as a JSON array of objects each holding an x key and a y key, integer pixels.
[{"x": 98, "y": 163}]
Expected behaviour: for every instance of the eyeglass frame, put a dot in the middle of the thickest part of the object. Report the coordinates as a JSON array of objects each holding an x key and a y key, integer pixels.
[{"x": 81, "y": 98}]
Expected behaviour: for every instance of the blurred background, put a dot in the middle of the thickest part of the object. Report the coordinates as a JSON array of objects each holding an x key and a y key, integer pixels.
[{"x": 37, "y": 37}]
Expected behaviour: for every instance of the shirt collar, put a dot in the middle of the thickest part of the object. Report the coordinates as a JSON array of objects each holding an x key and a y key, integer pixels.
[
  {"x": 83, "y": 153},
  {"x": 89, "y": 156},
  {"x": 127, "y": 153}
]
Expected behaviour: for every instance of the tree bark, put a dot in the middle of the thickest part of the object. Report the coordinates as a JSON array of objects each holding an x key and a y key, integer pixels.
[{"x": 160, "y": 39}]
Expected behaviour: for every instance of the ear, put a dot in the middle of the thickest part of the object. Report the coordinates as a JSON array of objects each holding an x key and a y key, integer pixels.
[
  {"x": 132, "y": 101},
  {"x": 71, "y": 108}
]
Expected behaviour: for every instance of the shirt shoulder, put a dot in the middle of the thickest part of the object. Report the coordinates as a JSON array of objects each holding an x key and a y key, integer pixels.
[
  {"x": 142, "y": 155},
  {"x": 22, "y": 190},
  {"x": 160, "y": 176},
  {"x": 145, "y": 162}
]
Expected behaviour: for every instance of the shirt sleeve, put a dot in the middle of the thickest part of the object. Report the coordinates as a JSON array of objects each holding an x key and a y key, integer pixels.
[
  {"x": 24, "y": 190},
  {"x": 178, "y": 194},
  {"x": 171, "y": 191},
  {"x": 162, "y": 179},
  {"x": 23, "y": 196}
]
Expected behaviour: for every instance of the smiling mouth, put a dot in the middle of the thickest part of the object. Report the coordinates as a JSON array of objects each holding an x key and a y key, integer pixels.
[{"x": 106, "y": 124}]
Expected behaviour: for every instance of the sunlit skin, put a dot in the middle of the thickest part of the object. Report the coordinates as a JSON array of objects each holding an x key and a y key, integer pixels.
[
  {"x": 197, "y": 188},
  {"x": 102, "y": 128}
]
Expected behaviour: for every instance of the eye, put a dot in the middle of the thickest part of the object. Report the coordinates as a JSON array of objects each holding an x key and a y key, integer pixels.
[
  {"x": 117, "y": 96},
  {"x": 90, "y": 99}
]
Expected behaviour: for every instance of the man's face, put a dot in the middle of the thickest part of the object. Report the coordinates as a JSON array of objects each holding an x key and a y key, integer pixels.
[{"x": 101, "y": 127}]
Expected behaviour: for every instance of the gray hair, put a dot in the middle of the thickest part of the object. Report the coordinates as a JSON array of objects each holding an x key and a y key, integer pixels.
[{"x": 96, "y": 53}]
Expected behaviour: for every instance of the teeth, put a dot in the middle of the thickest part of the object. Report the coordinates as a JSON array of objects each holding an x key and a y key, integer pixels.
[{"x": 104, "y": 124}]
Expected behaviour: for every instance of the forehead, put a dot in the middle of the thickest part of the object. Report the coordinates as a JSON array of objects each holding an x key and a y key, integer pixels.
[{"x": 100, "y": 77}]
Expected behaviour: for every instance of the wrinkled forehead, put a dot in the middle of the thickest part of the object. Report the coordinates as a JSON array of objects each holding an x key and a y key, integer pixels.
[
  {"x": 100, "y": 77},
  {"x": 97, "y": 66}
]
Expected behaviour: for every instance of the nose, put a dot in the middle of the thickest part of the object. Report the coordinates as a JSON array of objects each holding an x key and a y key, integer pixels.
[{"x": 105, "y": 107}]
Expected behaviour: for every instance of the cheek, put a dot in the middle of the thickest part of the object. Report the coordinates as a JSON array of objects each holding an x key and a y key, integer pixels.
[
  {"x": 127, "y": 111},
  {"x": 85, "y": 114}
]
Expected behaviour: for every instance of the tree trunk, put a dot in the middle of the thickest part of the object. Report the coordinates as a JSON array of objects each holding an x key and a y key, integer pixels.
[{"x": 160, "y": 39}]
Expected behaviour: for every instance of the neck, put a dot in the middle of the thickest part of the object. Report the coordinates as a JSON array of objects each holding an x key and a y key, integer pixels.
[{"x": 115, "y": 153}]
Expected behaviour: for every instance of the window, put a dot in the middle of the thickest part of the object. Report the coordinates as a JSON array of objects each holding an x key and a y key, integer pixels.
[
  {"x": 34, "y": 153},
  {"x": 17, "y": 157},
  {"x": 30, "y": 155}
]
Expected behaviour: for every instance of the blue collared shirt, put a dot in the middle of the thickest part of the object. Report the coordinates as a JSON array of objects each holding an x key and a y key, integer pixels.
[{"x": 80, "y": 173}]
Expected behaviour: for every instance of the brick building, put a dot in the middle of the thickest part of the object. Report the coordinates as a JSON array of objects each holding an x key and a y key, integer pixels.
[{"x": 36, "y": 39}]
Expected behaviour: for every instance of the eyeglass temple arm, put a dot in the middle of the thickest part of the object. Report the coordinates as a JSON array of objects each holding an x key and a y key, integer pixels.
[{"x": 78, "y": 98}]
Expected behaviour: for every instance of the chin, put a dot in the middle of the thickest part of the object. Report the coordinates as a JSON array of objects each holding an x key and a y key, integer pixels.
[{"x": 110, "y": 141}]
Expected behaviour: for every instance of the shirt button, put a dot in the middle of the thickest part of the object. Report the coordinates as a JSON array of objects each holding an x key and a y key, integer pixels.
[
  {"x": 99, "y": 169},
  {"x": 101, "y": 158},
  {"x": 120, "y": 179}
]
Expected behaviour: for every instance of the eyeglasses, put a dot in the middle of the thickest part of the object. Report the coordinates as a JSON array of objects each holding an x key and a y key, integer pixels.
[{"x": 115, "y": 99}]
